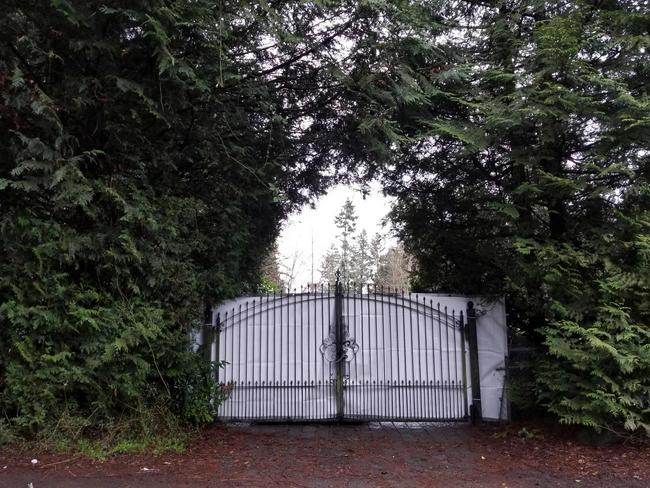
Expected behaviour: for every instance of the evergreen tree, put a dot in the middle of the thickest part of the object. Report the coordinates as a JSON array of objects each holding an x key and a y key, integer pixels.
[
  {"x": 346, "y": 222},
  {"x": 330, "y": 265},
  {"x": 526, "y": 156},
  {"x": 361, "y": 261},
  {"x": 376, "y": 252}
]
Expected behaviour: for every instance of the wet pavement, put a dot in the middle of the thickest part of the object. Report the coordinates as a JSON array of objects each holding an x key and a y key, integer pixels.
[{"x": 386, "y": 454}]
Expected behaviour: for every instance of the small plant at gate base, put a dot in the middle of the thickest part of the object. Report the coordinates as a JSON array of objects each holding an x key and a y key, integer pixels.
[{"x": 524, "y": 433}]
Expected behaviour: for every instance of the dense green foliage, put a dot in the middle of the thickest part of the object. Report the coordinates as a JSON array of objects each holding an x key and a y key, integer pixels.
[
  {"x": 110, "y": 213},
  {"x": 142, "y": 155},
  {"x": 521, "y": 166},
  {"x": 151, "y": 149}
]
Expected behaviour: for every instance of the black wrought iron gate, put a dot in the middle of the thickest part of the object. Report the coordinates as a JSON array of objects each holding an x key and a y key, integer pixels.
[{"x": 342, "y": 353}]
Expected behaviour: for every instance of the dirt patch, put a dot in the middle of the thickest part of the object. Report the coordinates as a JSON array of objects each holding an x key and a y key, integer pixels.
[{"x": 366, "y": 455}]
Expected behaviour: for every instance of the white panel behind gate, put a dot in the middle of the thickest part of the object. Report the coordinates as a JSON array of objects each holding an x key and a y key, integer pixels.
[{"x": 406, "y": 357}]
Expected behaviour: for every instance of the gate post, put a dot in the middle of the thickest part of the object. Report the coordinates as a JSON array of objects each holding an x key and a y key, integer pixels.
[
  {"x": 475, "y": 408},
  {"x": 207, "y": 334},
  {"x": 217, "y": 344},
  {"x": 338, "y": 331}
]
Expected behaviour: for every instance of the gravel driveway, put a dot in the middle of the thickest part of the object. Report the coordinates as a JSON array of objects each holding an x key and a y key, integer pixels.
[{"x": 362, "y": 455}]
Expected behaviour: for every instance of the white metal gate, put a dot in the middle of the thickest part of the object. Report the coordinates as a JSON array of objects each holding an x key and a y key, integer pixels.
[{"x": 336, "y": 354}]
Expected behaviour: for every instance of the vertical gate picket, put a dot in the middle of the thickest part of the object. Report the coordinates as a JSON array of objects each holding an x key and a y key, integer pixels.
[
  {"x": 217, "y": 347},
  {"x": 418, "y": 382},
  {"x": 426, "y": 387}
]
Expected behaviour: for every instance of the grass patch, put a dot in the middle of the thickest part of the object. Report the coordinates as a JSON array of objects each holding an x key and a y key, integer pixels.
[
  {"x": 7, "y": 435},
  {"x": 151, "y": 430},
  {"x": 105, "y": 446}
]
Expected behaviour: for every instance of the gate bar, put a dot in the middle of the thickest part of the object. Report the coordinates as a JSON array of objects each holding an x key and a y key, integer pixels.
[
  {"x": 475, "y": 410},
  {"x": 217, "y": 346},
  {"x": 340, "y": 360}
]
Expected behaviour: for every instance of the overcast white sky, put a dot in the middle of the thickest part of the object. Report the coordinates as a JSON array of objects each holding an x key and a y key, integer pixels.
[{"x": 295, "y": 241}]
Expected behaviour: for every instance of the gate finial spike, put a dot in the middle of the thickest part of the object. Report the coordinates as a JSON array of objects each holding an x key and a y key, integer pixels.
[{"x": 338, "y": 275}]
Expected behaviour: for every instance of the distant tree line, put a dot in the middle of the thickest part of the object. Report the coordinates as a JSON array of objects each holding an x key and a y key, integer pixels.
[
  {"x": 362, "y": 261},
  {"x": 359, "y": 261}
]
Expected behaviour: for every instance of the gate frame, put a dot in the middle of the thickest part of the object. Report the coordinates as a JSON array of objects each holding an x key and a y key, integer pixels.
[
  {"x": 468, "y": 332},
  {"x": 212, "y": 328}
]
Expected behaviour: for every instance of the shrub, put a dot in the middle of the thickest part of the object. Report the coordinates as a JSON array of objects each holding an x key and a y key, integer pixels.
[{"x": 597, "y": 370}]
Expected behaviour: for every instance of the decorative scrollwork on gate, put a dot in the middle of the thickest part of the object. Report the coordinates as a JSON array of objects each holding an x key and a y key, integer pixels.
[{"x": 349, "y": 348}]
